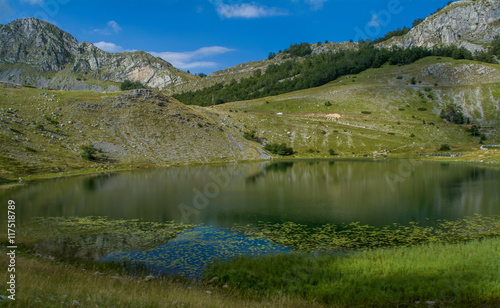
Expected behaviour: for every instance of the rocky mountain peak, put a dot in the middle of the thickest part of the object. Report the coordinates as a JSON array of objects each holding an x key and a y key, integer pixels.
[
  {"x": 36, "y": 42},
  {"x": 468, "y": 23},
  {"x": 48, "y": 48}
]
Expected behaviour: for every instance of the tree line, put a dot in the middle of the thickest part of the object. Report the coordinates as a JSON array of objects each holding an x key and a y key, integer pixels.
[{"x": 306, "y": 70}]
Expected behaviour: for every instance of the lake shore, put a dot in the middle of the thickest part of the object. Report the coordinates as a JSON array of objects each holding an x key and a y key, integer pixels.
[
  {"x": 441, "y": 275},
  {"x": 489, "y": 159}
]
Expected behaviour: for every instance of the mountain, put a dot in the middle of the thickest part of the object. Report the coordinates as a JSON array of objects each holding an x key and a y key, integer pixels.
[
  {"x": 37, "y": 53},
  {"x": 471, "y": 24},
  {"x": 377, "y": 112},
  {"x": 245, "y": 70}
]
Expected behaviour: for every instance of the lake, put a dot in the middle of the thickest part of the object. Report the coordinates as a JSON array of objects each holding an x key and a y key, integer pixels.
[
  {"x": 176, "y": 220},
  {"x": 307, "y": 192}
]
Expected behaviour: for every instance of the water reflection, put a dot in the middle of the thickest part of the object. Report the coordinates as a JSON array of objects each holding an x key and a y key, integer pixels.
[
  {"x": 269, "y": 168},
  {"x": 307, "y": 192}
]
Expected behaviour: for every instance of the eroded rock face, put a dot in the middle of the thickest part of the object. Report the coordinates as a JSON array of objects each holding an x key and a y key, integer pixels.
[
  {"x": 35, "y": 42},
  {"x": 46, "y": 47},
  {"x": 466, "y": 23}
]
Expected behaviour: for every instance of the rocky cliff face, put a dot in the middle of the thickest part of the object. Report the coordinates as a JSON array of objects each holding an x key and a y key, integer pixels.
[
  {"x": 467, "y": 23},
  {"x": 37, "y": 43},
  {"x": 47, "y": 48}
]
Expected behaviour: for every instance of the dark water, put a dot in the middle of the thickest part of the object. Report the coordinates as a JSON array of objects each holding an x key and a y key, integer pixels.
[
  {"x": 218, "y": 196},
  {"x": 307, "y": 192}
]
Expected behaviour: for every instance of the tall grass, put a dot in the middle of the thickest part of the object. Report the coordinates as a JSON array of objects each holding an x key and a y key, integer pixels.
[
  {"x": 43, "y": 283},
  {"x": 465, "y": 274}
]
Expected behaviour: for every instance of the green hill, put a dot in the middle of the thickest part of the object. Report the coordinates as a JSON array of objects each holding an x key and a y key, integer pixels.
[
  {"x": 380, "y": 110},
  {"x": 44, "y": 131}
]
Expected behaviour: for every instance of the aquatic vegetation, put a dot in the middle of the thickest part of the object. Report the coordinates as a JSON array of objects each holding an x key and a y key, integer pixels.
[
  {"x": 185, "y": 250},
  {"x": 355, "y": 236},
  {"x": 189, "y": 253}
]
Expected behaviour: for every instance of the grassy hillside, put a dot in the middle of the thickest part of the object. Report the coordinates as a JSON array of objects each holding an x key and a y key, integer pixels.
[
  {"x": 43, "y": 131},
  {"x": 380, "y": 110}
]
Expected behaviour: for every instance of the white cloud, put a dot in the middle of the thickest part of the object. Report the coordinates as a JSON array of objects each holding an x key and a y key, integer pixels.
[
  {"x": 189, "y": 59},
  {"x": 112, "y": 27},
  {"x": 109, "y": 47},
  {"x": 182, "y": 60},
  {"x": 374, "y": 22},
  {"x": 316, "y": 4},
  {"x": 246, "y": 10}
]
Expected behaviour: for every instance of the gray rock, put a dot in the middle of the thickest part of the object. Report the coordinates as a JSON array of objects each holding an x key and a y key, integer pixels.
[
  {"x": 48, "y": 48},
  {"x": 465, "y": 23}
]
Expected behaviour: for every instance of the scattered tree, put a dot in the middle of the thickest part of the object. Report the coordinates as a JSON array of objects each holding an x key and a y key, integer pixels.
[
  {"x": 475, "y": 130},
  {"x": 129, "y": 85},
  {"x": 453, "y": 113}
]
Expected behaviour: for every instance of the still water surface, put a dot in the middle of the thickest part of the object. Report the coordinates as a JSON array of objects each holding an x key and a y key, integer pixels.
[{"x": 307, "y": 192}]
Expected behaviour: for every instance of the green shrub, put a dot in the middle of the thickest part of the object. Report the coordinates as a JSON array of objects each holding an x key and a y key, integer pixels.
[
  {"x": 328, "y": 104},
  {"x": 129, "y": 85},
  {"x": 251, "y": 136},
  {"x": 422, "y": 109},
  {"x": 444, "y": 147},
  {"x": 366, "y": 112},
  {"x": 453, "y": 113},
  {"x": 88, "y": 152},
  {"x": 280, "y": 149},
  {"x": 332, "y": 152},
  {"x": 475, "y": 130}
]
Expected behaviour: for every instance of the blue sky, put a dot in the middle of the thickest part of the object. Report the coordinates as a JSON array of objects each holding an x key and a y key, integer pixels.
[{"x": 209, "y": 35}]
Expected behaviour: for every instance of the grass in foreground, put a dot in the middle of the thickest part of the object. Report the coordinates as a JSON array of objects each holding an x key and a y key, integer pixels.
[
  {"x": 466, "y": 274},
  {"x": 44, "y": 283}
]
